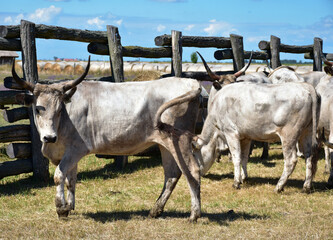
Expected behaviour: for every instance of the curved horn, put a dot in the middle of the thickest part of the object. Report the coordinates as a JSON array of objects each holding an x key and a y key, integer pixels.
[
  {"x": 24, "y": 84},
  {"x": 325, "y": 60},
  {"x": 243, "y": 70},
  {"x": 212, "y": 75},
  {"x": 78, "y": 80}
]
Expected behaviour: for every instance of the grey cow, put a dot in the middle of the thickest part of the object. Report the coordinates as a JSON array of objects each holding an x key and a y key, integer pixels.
[
  {"x": 242, "y": 112},
  {"x": 76, "y": 118}
]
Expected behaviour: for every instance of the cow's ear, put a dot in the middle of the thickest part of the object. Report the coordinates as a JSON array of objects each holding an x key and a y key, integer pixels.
[
  {"x": 328, "y": 70},
  {"x": 217, "y": 85},
  {"x": 24, "y": 99},
  {"x": 68, "y": 95}
]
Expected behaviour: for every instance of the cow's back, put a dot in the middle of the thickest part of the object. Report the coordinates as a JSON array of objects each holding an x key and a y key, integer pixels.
[{"x": 118, "y": 118}]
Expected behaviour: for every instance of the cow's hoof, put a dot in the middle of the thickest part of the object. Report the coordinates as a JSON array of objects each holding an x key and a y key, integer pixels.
[
  {"x": 278, "y": 190},
  {"x": 306, "y": 190},
  {"x": 236, "y": 185},
  {"x": 63, "y": 212},
  {"x": 155, "y": 212}
]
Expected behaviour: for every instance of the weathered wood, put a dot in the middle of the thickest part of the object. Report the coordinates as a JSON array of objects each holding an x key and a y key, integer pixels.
[
  {"x": 195, "y": 41},
  {"x": 14, "y": 133},
  {"x": 265, "y": 45},
  {"x": 29, "y": 59},
  {"x": 328, "y": 56},
  {"x": 275, "y": 51},
  {"x": 115, "y": 50},
  {"x": 19, "y": 150},
  {"x": 131, "y": 51},
  {"x": 12, "y": 168},
  {"x": 227, "y": 54},
  {"x": 317, "y": 50},
  {"x": 15, "y": 114},
  {"x": 177, "y": 51},
  {"x": 10, "y": 44},
  {"x": 237, "y": 51},
  {"x": 201, "y": 76},
  {"x": 117, "y": 70},
  {"x": 8, "y": 97},
  {"x": 55, "y": 32}
]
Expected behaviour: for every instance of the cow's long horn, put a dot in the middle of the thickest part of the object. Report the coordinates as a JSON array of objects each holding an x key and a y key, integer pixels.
[
  {"x": 78, "y": 80},
  {"x": 24, "y": 84},
  {"x": 243, "y": 70},
  {"x": 212, "y": 75}
]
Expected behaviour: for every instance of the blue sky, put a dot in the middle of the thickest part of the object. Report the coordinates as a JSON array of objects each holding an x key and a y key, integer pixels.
[{"x": 295, "y": 22}]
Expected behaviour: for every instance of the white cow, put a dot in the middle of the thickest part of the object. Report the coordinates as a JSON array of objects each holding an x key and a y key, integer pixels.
[
  {"x": 242, "y": 112},
  {"x": 75, "y": 119}
]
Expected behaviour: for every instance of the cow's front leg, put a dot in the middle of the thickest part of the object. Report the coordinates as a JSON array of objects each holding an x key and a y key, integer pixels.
[
  {"x": 71, "y": 183},
  {"x": 60, "y": 202}
]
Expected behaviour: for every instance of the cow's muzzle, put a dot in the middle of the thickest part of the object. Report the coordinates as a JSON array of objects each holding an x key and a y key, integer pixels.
[{"x": 49, "y": 139}]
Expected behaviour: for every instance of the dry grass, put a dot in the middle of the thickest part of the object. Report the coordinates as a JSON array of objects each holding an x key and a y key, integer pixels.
[{"x": 115, "y": 205}]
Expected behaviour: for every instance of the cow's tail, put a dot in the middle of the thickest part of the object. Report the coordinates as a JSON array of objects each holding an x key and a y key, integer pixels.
[{"x": 187, "y": 97}]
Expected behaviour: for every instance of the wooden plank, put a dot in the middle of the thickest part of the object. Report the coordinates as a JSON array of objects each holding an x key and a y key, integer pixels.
[
  {"x": 131, "y": 51},
  {"x": 195, "y": 41},
  {"x": 19, "y": 150},
  {"x": 201, "y": 76},
  {"x": 10, "y": 44},
  {"x": 265, "y": 45},
  {"x": 55, "y": 32},
  {"x": 275, "y": 51},
  {"x": 29, "y": 59},
  {"x": 328, "y": 56},
  {"x": 9, "y": 97},
  {"x": 15, "y": 114},
  {"x": 12, "y": 168},
  {"x": 13, "y": 133},
  {"x": 227, "y": 54},
  {"x": 317, "y": 50},
  {"x": 177, "y": 51},
  {"x": 237, "y": 51},
  {"x": 117, "y": 70}
]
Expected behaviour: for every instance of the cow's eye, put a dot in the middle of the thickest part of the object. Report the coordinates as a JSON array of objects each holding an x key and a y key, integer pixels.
[{"x": 37, "y": 111}]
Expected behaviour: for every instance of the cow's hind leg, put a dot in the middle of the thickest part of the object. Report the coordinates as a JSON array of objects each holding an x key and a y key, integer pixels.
[
  {"x": 172, "y": 174},
  {"x": 290, "y": 160},
  {"x": 245, "y": 150}
]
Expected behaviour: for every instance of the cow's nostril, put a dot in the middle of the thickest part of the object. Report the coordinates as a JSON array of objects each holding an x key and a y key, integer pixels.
[{"x": 50, "y": 139}]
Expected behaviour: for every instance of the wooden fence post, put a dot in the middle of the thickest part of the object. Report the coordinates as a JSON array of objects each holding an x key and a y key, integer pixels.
[
  {"x": 275, "y": 51},
  {"x": 317, "y": 50},
  {"x": 117, "y": 70},
  {"x": 29, "y": 59},
  {"x": 177, "y": 51},
  {"x": 237, "y": 51}
]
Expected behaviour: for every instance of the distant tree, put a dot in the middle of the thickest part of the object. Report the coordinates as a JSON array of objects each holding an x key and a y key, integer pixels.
[{"x": 194, "y": 57}]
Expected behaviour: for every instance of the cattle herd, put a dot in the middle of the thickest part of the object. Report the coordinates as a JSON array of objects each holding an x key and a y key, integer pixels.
[{"x": 76, "y": 118}]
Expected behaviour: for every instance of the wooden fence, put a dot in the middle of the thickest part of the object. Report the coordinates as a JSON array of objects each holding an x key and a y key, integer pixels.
[{"x": 22, "y": 38}]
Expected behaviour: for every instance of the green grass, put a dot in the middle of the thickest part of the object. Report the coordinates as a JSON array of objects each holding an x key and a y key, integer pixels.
[{"x": 115, "y": 205}]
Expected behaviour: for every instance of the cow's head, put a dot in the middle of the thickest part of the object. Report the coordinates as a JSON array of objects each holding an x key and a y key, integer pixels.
[
  {"x": 47, "y": 101},
  {"x": 220, "y": 80}
]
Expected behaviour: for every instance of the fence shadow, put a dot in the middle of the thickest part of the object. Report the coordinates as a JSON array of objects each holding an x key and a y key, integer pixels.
[
  {"x": 221, "y": 218},
  {"x": 111, "y": 171}
]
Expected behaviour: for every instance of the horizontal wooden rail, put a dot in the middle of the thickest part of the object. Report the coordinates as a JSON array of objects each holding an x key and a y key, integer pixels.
[
  {"x": 19, "y": 150},
  {"x": 227, "y": 54},
  {"x": 11, "y": 168},
  {"x": 265, "y": 45},
  {"x": 15, "y": 114},
  {"x": 15, "y": 133},
  {"x": 9, "y": 97},
  {"x": 195, "y": 41},
  {"x": 328, "y": 56},
  {"x": 131, "y": 51},
  {"x": 55, "y": 32}
]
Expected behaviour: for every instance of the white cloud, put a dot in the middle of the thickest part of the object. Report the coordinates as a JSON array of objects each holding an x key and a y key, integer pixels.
[
  {"x": 44, "y": 14},
  {"x": 219, "y": 28},
  {"x": 99, "y": 23},
  {"x": 255, "y": 39},
  {"x": 119, "y": 22},
  {"x": 160, "y": 28},
  {"x": 189, "y": 27},
  {"x": 16, "y": 20}
]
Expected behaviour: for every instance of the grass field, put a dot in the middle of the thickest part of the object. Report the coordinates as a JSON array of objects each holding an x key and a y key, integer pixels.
[{"x": 114, "y": 204}]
